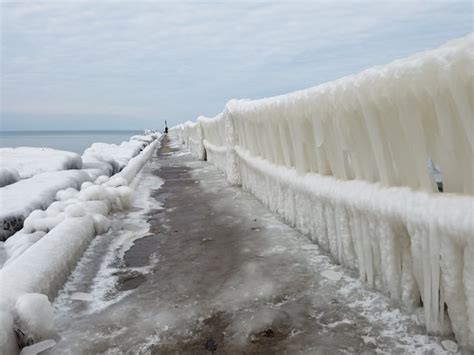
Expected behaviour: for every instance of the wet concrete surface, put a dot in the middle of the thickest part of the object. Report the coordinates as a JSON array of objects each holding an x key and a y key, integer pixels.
[{"x": 233, "y": 279}]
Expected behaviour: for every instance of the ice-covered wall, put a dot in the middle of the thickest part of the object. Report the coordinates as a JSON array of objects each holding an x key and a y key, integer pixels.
[
  {"x": 347, "y": 163},
  {"x": 381, "y": 125},
  {"x": 214, "y": 140}
]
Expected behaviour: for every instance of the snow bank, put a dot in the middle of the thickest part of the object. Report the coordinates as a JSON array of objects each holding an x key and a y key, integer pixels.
[
  {"x": 29, "y": 161},
  {"x": 39, "y": 258},
  {"x": 350, "y": 163}
]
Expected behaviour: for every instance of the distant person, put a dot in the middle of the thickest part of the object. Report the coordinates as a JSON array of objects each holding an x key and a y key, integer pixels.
[{"x": 166, "y": 128}]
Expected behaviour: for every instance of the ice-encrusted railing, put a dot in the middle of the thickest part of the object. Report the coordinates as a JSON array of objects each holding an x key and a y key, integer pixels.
[
  {"x": 214, "y": 140},
  {"x": 346, "y": 163},
  {"x": 190, "y": 133}
]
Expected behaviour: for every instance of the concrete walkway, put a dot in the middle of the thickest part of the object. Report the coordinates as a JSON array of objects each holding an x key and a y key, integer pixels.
[{"x": 218, "y": 273}]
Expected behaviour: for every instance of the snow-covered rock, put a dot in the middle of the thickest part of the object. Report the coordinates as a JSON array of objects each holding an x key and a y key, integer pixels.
[
  {"x": 33, "y": 317},
  {"x": 29, "y": 161},
  {"x": 8, "y": 176},
  {"x": 18, "y": 200},
  {"x": 115, "y": 156},
  {"x": 39, "y": 258}
]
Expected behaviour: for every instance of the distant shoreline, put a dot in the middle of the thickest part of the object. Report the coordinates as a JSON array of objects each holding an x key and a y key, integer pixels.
[{"x": 73, "y": 141}]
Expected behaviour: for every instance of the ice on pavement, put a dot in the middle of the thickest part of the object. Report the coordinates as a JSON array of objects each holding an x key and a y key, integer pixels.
[
  {"x": 38, "y": 347},
  {"x": 81, "y": 296},
  {"x": 138, "y": 320},
  {"x": 332, "y": 275},
  {"x": 450, "y": 345}
]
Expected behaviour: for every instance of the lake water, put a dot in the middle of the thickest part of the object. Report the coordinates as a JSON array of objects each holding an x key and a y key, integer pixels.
[{"x": 74, "y": 141}]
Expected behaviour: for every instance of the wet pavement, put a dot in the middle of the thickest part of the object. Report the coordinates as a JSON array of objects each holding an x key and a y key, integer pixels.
[{"x": 214, "y": 272}]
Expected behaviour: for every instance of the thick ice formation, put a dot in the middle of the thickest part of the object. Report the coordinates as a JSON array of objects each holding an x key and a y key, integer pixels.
[
  {"x": 33, "y": 315},
  {"x": 350, "y": 163},
  {"x": 18, "y": 200},
  {"x": 29, "y": 161},
  {"x": 115, "y": 157},
  {"x": 190, "y": 133},
  {"x": 214, "y": 140},
  {"x": 8, "y": 176},
  {"x": 39, "y": 258}
]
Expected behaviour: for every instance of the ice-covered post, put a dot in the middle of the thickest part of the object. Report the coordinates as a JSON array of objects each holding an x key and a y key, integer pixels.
[{"x": 233, "y": 172}]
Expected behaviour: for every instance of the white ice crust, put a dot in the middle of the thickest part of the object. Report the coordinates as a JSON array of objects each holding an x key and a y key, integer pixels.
[
  {"x": 29, "y": 161},
  {"x": 351, "y": 163},
  {"x": 21, "y": 197},
  {"x": 36, "y": 260}
]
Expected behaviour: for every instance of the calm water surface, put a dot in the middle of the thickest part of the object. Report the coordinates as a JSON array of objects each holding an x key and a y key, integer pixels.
[{"x": 74, "y": 141}]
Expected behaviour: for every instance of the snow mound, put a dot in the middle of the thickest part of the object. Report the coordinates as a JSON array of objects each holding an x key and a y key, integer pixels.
[
  {"x": 8, "y": 176},
  {"x": 29, "y": 161}
]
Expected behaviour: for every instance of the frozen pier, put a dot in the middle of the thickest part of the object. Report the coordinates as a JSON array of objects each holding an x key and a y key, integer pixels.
[{"x": 218, "y": 273}]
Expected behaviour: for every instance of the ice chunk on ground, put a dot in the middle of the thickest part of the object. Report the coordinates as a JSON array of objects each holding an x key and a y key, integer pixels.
[
  {"x": 450, "y": 345},
  {"x": 29, "y": 161},
  {"x": 38, "y": 347},
  {"x": 33, "y": 317},
  {"x": 332, "y": 275},
  {"x": 81, "y": 296}
]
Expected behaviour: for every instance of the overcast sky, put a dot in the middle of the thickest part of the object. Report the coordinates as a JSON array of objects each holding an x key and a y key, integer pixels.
[{"x": 133, "y": 64}]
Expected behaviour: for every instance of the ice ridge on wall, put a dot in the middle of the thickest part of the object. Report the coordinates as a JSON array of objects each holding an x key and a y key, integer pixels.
[{"x": 348, "y": 164}]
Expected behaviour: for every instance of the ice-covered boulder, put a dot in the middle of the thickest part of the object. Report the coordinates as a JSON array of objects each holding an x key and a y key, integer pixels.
[
  {"x": 29, "y": 161},
  {"x": 8, "y": 176},
  {"x": 33, "y": 319}
]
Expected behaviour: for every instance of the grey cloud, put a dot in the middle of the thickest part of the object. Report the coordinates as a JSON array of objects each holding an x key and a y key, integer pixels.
[{"x": 178, "y": 60}]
